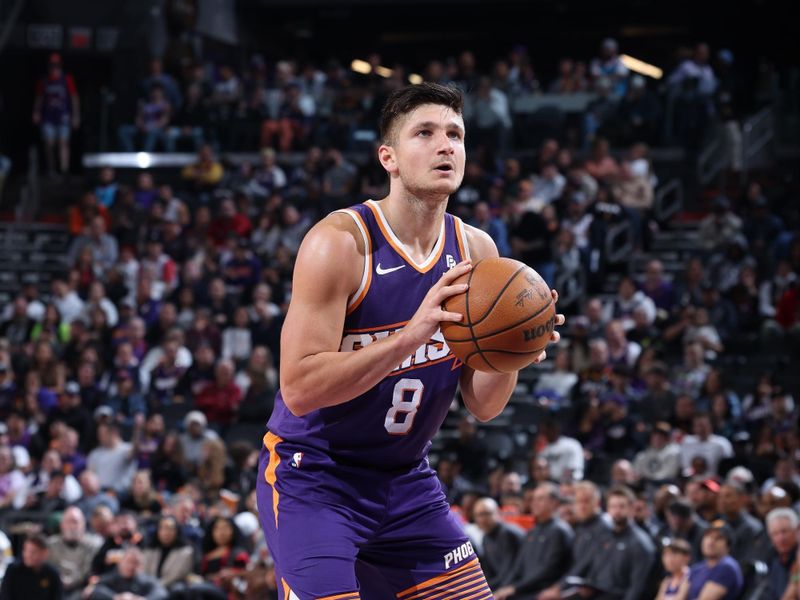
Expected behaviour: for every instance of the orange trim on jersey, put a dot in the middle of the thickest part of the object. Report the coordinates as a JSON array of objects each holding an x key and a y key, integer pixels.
[
  {"x": 347, "y": 596},
  {"x": 378, "y": 328},
  {"x": 271, "y": 441},
  {"x": 403, "y": 254},
  {"x": 416, "y": 590},
  {"x": 462, "y": 242},
  {"x": 286, "y": 589},
  {"x": 450, "y": 356},
  {"x": 367, "y": 261}
]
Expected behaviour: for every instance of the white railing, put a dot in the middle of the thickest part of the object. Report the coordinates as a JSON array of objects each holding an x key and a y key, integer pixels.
[
  {"x": 757, "y": 134},
  {"x": 668, "y": 199},
  {"x": 714, "y": 157}
]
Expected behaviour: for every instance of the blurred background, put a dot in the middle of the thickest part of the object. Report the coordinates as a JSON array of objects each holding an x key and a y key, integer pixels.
[{"x": 161, "y": 161}]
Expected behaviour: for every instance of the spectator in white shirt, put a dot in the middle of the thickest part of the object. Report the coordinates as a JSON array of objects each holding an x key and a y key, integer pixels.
[
  {"x": 563, "y": 454},
  {"x": 711, "y": 447}
]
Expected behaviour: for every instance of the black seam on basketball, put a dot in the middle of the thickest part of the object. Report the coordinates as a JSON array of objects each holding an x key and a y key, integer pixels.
[
  {"x": 500, "y": 295},
  {"x": 469, "y": 320},
  {"x": 512, "y": 326}
]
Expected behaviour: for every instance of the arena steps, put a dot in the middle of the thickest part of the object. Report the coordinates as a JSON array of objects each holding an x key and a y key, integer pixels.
[{"x": 30, "y": 254}]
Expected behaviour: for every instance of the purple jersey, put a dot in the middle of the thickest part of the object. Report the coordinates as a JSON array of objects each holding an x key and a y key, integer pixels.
[{"x": 391, "y": 425}]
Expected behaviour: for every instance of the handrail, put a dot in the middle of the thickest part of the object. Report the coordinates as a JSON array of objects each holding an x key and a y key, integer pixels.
[
  {"x": 713, "y": 159},
  {"x": 621, "y": 230},
  {"x": 662, "y": 206},
  {"x": 571, "y": 285},
  {"x": 757, "y": 133}
]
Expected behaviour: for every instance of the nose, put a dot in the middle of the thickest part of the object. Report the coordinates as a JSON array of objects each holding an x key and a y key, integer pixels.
[{"x": 445, "y": 144}]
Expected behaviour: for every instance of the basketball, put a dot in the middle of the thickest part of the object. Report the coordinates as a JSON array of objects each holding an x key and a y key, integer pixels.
[{"x": 509, "y": 315}]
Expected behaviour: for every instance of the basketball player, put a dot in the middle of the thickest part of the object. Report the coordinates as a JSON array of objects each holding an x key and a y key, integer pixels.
[{"x": 348, "y": 503}]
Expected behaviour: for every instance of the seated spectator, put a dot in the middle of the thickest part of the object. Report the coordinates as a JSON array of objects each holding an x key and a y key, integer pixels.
[
  {"x": 192, "y": 439},
  {"x": 501, "y": 542},
  {"x": 494, "y": 226},
  {"x": 684, "y": 524},
  {"x": 32, "y": 576},
  {"x": 168, "y": 558},
  {"x": 675, "y": 558},
  {"x": 224, "y": 558},
  {"x": 610, "y": 575},
  {"x": 219, "y": 400},
  {"x": 72, "y": 550},
  {"x": 152, "y": 119},
  {"x": 563, "y": 454},
  {"x": 142, "y": 498},
  {"x": 782, "y": 525},
  {"x": 720, "y": 227},
  {"x": 609, "y": 65},
  {"x": 549, "y": 183},
  {"x": 191, "y": 121},
  {"x": 719, "y": 575},
  {"x": 127, "y": 580},
  {"x": 124, "y": 534},
  {"x": 571, "y": 78},
  {"x": 113, "y": 460},
  {"x": 204, "y": 174},
  {"x": 601, "y": 165},
  {"x": 12, "y": 481},
  {"x": 748, "y": 539},
  {"x": 291, "y": 124},
  {"x": 713, "y": 448},
  {"x": 661, "y": 460},
  {"x": 639, "y": 115},
  {"x": 545, "y": 553}
]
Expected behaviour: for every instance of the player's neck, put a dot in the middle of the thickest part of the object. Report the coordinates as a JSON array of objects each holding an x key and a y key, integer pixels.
[{"x": 416, "y": 222}]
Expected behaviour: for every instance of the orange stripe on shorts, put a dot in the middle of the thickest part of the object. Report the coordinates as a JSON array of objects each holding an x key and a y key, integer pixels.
[{"x": 270, "y": 441}]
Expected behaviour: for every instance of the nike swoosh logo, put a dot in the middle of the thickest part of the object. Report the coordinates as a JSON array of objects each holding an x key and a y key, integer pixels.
[{"x": 381, "y": 271}]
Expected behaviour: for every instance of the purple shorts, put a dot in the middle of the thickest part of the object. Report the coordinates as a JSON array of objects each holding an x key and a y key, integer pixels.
[{"x": 346, "y": 533}]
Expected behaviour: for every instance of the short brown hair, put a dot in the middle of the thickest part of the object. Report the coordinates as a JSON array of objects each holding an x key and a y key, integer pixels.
[
  {"x": 403, "y": 101},
  {"x": 622, "y": 492},
  {"x": 678, "y": 546}
]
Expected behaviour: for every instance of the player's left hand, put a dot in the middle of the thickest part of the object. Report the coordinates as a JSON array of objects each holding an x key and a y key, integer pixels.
[{"x": 555, "y": 336}]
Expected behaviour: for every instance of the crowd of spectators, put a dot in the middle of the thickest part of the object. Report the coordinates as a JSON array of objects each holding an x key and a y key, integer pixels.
[
  {"x": 291, "y": 106},
  {"x": 130, "y": 393}
]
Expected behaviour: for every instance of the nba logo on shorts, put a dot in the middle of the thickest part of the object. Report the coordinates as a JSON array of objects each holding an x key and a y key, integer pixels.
[
  {"x": 451, "y": 262},
  {"x": 297, "y": 458}
]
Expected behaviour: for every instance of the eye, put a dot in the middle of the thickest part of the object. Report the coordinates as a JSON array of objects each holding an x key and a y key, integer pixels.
[
  {"x": 424, "y": 132},
  {"x": 454, "y": 135}
]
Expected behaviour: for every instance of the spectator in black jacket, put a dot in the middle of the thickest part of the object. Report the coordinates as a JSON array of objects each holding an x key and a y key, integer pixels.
[
  {"x": 545, "y": 554},
  {"x": 749, "y": 538},
  {"x": 501, "y": 541},
  {"x": 32, "y": 576},
  {"x": 611, "y": 576},
  {"x": 127, "y": 581}
]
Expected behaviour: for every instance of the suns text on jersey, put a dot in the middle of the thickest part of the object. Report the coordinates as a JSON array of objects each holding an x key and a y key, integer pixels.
[{"x": 436, "y": 350}]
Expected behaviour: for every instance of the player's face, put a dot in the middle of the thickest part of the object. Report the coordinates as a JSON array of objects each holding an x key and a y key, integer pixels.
[{"x": 428, "y": 151}]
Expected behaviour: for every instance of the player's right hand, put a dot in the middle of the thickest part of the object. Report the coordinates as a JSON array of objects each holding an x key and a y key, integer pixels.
[{"x": 430, "y": 313}]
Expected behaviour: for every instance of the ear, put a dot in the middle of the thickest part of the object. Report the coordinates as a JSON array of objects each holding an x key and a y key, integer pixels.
[{"x": 386, "y": 156}]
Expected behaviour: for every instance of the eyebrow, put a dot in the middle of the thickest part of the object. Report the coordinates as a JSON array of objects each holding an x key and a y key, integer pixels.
[{"x": 433, "y": 125}]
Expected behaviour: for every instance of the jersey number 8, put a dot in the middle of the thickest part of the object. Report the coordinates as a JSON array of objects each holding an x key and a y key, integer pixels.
[{"x": 406, "y": 408}]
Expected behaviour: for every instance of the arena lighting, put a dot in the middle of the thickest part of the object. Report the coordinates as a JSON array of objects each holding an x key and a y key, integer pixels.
[
  {"x": 361, "y": 66},
  {"x": 641, "y": 67},
  {"x": 143, "y": 159},
  {"x": 414, "y": 78}
]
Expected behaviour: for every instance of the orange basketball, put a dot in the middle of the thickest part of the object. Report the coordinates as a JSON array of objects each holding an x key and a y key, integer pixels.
[{"x": 509, "y": 315}]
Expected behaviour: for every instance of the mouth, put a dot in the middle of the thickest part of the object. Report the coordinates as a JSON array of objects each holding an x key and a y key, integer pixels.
[{"x": 444, "y": 168}]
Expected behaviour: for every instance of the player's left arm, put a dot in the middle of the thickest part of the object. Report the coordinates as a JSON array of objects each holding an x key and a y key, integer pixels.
[{"x": 486, "y": 394}]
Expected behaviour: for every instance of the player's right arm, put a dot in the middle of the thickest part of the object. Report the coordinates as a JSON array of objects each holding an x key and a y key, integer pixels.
[{"x": 328, "y": 270}]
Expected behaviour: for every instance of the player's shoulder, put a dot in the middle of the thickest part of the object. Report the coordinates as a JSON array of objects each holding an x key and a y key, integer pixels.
[
  {"x": 333, "y": 246},
  {"x": 481, "y": 245}
]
